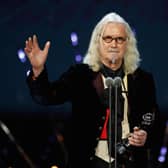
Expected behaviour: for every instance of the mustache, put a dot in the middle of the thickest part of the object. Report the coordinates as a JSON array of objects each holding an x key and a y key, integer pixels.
[{"x": 113, "y": 50}]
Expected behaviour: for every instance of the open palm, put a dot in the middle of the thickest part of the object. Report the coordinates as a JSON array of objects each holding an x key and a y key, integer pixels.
[{"x": 36, "y": 56}]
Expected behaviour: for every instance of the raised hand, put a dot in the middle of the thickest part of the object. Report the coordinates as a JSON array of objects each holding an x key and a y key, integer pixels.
[{"x": 36, "y": 56}]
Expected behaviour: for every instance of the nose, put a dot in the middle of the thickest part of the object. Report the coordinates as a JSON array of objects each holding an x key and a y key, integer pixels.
[{"x": 114, "y": 43}]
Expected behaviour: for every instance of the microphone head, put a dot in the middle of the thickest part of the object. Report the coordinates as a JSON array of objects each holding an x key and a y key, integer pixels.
[
  {"x": 109, "y": 81},
  {"x": 117, "y": 81}
]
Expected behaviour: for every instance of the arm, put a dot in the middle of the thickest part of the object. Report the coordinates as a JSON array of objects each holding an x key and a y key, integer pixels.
[
  {"x": 145, "y": 109},
  {"x": 41, "y": 90},
  {"x": 49, "y": 93}
]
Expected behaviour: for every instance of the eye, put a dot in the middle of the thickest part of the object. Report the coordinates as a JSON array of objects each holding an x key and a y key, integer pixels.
[
  {"x": 120, "y": 39},
  {"x": 107, "y": 39}
]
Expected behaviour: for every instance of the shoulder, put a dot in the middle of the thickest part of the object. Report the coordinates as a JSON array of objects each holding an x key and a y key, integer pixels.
[
  {"x": 80, "y": 69},
  {"x": 142, "y": 78},
  {"x": 142, "y": 74}
]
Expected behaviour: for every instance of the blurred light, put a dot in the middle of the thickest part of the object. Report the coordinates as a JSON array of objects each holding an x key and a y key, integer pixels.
[
  {"x": 78, "y": 58},
  {"x": 161, "y": 159},
  {"x": 28, "y": 72},
  {"x": 74, "y": 39},
  {"x": 54, "y": 167},
  {"x": 21, "y": 55},
  {"x": 163, "y": 151}
]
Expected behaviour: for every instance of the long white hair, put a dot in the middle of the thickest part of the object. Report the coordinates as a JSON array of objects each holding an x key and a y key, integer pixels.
[{"x": 131, "y": 57}]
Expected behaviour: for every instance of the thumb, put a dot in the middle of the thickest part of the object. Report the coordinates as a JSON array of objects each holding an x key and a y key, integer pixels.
[
  {"x": 136, "y": 128},
  {"x": 47, "y": 46}
]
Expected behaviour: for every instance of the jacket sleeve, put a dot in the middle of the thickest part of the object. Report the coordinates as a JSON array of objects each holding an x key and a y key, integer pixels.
[
  {"x": 144, "y": 110},
  {"x": 150, "y": 120},
  {"x": 48, "y": 93}
]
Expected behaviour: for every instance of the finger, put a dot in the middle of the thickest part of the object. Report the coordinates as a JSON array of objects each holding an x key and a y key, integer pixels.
[
  {"x": 136, "y": 128},
  {"x": 27, "y": 47},
  {"x": 136, "y": 142},
  {"x": 140, "y": 136},
  {"x": 47, "y": 46},
  {"x": 136, "y": 138},
  {"x": 35, "y": 42},
  {"x": 27, "y": 51},
  {"x": 30, "y": 43},
  {"x": 141, "y": 133}
]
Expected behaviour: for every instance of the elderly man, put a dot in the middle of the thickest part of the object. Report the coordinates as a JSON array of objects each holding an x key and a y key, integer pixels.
[{"x": 101, "y": 133}]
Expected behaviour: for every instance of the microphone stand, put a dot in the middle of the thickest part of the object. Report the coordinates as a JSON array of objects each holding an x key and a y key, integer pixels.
[
  {"x": 110, "y": 123},
  {"x": 115, "y": 125},
  {"x": 109, "y": 83},
  {"x": 116, "y": 82}
]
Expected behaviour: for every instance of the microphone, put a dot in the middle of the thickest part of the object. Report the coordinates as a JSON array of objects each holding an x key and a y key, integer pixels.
[
  {"x": 109, "y": 82},
  {"x": 117, "y": 81}
]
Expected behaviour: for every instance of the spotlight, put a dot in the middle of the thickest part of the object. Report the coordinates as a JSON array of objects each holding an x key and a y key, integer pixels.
[
  {"x": 74, "y": 39},
  {"x": 21, "y": 55},
  {"x": 78, "y": 58}
]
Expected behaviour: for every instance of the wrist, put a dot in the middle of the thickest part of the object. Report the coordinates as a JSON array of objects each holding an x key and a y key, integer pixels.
[{"x": 37, "y": 72}]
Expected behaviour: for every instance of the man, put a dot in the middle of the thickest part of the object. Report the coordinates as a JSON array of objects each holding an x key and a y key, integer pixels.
[{"x": 91, "y": 140}]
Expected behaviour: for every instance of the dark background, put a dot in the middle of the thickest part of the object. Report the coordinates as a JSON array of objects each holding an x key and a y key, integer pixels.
[{"x": 32, "y": 125}]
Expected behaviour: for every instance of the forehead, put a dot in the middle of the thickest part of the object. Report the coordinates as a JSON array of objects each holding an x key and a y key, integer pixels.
[{"x": 114, "y": 29}]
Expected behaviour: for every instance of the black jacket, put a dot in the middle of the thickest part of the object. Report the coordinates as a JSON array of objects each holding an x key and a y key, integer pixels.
[{"x": 83, "y": 87}]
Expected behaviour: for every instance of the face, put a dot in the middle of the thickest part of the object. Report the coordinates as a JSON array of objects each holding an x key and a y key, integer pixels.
[{"x": 112, "y": 46}]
